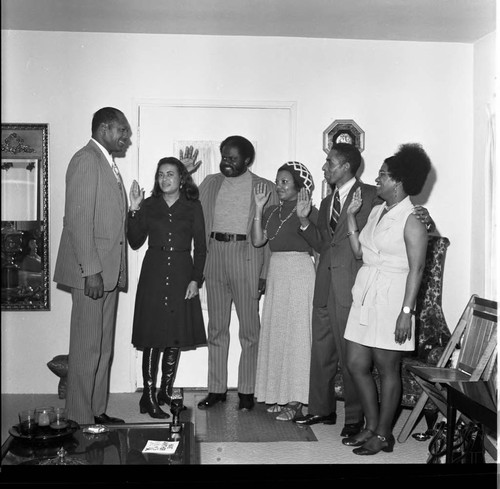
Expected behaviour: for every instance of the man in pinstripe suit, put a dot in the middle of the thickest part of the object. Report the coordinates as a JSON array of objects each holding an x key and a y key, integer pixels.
[
  {"x": 235, "y": 270},
  {"x": 92, "y": 262}
]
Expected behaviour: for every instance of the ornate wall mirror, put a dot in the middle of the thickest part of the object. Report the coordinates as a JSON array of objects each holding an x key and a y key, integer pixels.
[
  {"x": 25, "y": 222},
  {"x": 343, "y": 131}
]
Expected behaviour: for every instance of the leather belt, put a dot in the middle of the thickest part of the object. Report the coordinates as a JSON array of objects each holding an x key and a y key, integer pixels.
[
  {"x": 166, "y": 248},
  {"x": 228, "y": 237}
]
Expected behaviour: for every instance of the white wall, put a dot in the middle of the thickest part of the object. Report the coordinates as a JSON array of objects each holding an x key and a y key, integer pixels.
[
  {"x": 484, "y": 90},
  {"x": 396, "y": 91}
]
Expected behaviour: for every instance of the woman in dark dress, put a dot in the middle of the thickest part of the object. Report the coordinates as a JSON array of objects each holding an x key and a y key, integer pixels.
[{"x": 167, "y": 314}]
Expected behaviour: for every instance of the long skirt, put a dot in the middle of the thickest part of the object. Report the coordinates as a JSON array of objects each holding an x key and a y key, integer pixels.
[{"x": 285, "y": 338}]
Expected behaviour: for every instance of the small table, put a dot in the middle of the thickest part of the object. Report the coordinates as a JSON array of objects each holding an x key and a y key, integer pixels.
[
  {"x": 474, "y": 400},
  {"x": 121, "y": 445}
]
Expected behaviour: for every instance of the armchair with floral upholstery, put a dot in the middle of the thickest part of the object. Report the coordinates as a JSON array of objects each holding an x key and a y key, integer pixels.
[{"x": 431, "y": 330}]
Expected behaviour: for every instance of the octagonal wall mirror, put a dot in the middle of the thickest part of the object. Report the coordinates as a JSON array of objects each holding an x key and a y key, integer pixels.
[
  {"x": 341, "y": 131},
  {"x": 25, "y": 223}
]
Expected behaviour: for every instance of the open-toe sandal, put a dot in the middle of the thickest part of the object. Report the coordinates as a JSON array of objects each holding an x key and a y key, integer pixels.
[
  {"x": 274, "y": 408},
  {"x": 290, "y": 412}
]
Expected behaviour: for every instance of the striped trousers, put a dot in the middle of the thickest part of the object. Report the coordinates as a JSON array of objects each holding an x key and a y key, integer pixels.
[
  {"x": 90, "y": 354},
  {"x": 228, "y": 278}
]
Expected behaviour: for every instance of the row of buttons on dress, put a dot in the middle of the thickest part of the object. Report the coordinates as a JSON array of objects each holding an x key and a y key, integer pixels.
[{"x": 167, "y": 278}]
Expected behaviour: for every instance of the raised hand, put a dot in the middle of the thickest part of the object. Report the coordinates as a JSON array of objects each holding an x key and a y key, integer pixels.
[
  {"x": 303, "y": 203},
  {"x": 136, "y": 195},
  {"x": 356, "y": 202},
  {"x": 261, "y": 195},
  {"x": 188, "y": 159}
]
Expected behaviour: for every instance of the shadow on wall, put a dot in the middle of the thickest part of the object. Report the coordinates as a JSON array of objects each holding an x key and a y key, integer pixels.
[{"x": 423, "y": 196}]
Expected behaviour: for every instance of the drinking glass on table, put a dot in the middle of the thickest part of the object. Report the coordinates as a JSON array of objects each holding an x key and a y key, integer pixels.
[
  {"x": 27, "y": 422},
  {"x": 60, "y": 420}
]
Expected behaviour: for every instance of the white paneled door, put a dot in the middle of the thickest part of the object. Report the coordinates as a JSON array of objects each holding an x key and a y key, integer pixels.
[{"x": 163, "y": 128}]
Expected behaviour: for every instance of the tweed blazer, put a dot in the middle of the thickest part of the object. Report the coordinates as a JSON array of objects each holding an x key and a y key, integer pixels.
[
  {"x": 337, "y": 265},
  {"x": 93, "y": 237},
  {"x": 258, "y": 257}
]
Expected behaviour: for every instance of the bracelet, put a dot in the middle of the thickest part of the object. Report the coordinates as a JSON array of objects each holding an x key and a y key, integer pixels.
[
  {"x": 350, "y": 233},
  {"x": 133, "y": 212}
]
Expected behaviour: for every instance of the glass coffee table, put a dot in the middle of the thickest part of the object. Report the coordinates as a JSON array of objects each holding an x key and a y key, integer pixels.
[{"x": 122, "y": 444}]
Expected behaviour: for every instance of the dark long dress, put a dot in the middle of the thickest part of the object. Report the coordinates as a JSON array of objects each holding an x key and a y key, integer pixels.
[{"x": 163, "y": 317}]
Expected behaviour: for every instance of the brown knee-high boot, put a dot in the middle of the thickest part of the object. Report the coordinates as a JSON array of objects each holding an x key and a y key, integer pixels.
[
  {"x": 148, "y": 403},
  {"x": 169, "y": 365}
]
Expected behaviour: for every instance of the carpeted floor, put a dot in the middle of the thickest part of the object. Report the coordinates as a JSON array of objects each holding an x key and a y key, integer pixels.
[
  {"x": 225, "y": 423},
  {"x": 327, "y": 450}
]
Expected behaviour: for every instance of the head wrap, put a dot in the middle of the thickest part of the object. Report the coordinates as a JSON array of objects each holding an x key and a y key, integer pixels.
[{"x": 301, "y": 172}]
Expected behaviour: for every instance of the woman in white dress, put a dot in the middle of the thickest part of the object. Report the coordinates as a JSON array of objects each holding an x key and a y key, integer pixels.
[{"x": 381, "y": 324}]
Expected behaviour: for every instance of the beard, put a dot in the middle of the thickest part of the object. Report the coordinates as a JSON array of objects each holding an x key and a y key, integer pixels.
[{"x": 231, "y": 171}]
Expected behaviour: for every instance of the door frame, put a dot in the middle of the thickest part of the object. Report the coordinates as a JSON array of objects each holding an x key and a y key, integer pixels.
[{"x": 134, "y": 264}]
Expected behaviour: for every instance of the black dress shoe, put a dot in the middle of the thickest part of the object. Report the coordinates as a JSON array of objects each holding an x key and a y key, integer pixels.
[
  {"x": 246, "y": 401},
  {"x": 358, "y": 439},
  {"x": 211, "y": 399},
  {"x": 310, "y": 419},
  {"x": 352, "y": 428},
  {"x": 105, "y": 419},
  {"x": 381, "y": 443}
]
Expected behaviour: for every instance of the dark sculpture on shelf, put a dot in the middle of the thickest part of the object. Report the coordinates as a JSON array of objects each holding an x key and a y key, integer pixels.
[{"x": 59, "y": 366}]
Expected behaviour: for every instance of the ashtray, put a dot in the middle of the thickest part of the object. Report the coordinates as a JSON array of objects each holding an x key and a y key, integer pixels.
[
  {"x": 95, "y": 429},
  {"x": 421, "y": 436}
]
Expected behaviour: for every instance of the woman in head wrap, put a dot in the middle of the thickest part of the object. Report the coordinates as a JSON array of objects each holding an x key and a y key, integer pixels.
[{"x": 283, "y": 362}]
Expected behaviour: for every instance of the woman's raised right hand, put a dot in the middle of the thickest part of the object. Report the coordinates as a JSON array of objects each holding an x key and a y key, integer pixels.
[
  {"x": 261, "y": 194},
  {"x": 136, "y": 195}
]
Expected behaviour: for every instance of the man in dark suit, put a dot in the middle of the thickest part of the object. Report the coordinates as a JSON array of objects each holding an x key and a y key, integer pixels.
[
  {"x": 234, "y": 270},
  {"x": 335, "y": 277},
  {"x": 92, "y": 262}
]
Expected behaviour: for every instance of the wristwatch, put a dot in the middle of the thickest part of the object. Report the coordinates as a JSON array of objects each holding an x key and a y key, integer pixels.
[{"x": 407, "y": 310}]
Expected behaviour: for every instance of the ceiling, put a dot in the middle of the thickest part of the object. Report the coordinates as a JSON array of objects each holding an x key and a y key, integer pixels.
[{"x": 463, "y": 21}]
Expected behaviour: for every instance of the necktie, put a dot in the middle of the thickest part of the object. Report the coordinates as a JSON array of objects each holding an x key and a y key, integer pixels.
[
  {"x": 117, "y": 174},
  {"x": 335, "y": 210}
]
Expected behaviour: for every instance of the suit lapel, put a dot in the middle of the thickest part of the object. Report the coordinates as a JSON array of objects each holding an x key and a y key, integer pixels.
[
  {"x": 212, "y": 192},
  {"x": 251, "y": 213},
  {"x": 110, "y": 178},
  {"x": 328, "y": 208}
]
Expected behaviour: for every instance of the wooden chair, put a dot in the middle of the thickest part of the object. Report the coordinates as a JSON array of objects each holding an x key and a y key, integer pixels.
[{"x": 475, "y": 336}]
